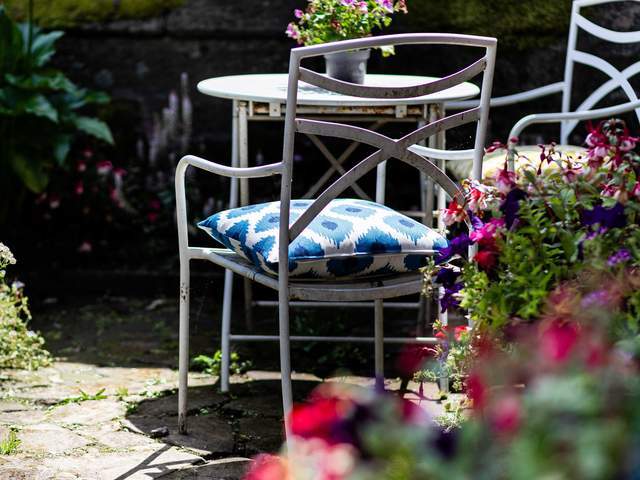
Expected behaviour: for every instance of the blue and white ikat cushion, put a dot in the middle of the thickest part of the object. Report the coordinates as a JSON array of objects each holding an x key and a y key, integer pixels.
[{"x": 349, "y": 238}]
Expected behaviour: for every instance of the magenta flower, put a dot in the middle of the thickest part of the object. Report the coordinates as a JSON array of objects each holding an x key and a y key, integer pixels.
[
  {"x": 486, "y": 233},
  {"x": 79, "y": 188},
  {"x": 104, "y": 167},
  {"x": 362, "y": 7},
  {"x": 348, "y": 3},
  {"x": 298, "y": 13}
]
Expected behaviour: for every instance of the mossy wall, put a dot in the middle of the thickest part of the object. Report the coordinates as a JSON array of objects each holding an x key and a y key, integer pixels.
[
  {"x": 67, "y": 13},
  {"x": 519, "y": 24}
]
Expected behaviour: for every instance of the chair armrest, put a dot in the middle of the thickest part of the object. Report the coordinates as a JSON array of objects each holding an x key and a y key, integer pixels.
[
  {"x": 437, "y": 154},
  {"x": 225, "y": 171},
  {"x": 559, "y": 117},
  {"x": 510, "y": 99}
]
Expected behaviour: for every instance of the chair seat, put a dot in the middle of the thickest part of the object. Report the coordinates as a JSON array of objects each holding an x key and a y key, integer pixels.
[
  {"x": 494, "y": 161},
  {"x": 350, "y": 238}
]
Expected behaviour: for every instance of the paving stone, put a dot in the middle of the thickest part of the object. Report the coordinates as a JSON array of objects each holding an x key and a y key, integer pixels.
[
  {"x": 23, "y": 417},
  {"x": 13, "y": 406},
  {"x": 225, "y": 469},
  {"x": 136, "y": 465},
  {"x": 91, "y": 412},
  {"x": 208, "y": 434},
  {"x": 114, "y": 436},
  {"x": 49, "y": 439}
]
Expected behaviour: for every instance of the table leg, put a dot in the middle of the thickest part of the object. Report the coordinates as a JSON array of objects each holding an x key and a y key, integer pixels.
[{"x": 243, "y": 157}]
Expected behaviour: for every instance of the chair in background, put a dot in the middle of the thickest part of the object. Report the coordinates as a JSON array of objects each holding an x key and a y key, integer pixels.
[
  {"x": 281, "y": 255},
  {"x": 567, "y": 118}
]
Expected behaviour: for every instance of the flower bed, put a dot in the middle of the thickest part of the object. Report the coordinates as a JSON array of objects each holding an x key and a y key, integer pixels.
[{"x": 550, "y": 366}]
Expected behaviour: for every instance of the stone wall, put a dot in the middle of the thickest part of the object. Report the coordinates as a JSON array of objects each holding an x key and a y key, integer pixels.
[{"x": 140, "y": 61}]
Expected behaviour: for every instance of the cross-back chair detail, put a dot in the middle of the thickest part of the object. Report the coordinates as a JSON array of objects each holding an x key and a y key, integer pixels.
[
  {"x": 617, "y": 78},
  {"x": 375, "y": 289}
]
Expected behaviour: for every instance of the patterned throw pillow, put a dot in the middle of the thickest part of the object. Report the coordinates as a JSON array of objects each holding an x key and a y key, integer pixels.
[{"x": 349, "y": 238}]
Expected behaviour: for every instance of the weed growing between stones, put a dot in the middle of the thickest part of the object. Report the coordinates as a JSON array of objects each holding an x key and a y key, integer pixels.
[{"x": 10, "y": 445}]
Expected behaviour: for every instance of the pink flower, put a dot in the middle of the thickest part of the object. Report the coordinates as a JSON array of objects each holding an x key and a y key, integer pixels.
[
  {"x": 79, "y": 188},
  {"x": 507, "y": 414},
  {"x": 505, "y": 180},
  {"x": 292, "y": 31},
  {"x": 486, "y": 259},
  {"x": 627, "y": 144},
  {"x": 88, "y": 153},
  {"x": 81, "y": 167},
  {"x": 636, "y": 190},
  {"x": 453, "y": 214},
  {"x": 362, "y": 7},
  {"x": 54, "y": 201},
  {"x": 348, "y": 3},
  {"x": 152, "y": 216},
  {"x": 104, "y": 167},
  {"x": 119, "y": 172},
  {"x": 558, "y": 340},
  {"x": 268, "y": 467},
  {"x": 85, "y": 247},
  {"x": 485, "y": 235},
  {"x": 298, "y": 13},
  {"x": 476, "y": 391}
]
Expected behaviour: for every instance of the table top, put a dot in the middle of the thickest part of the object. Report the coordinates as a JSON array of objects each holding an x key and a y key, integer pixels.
[{"x": 272, "y": 88}]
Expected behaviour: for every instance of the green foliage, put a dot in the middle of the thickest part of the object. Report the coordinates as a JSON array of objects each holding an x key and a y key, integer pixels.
[
  {"x": 19, "y": 346},
  {"x": 517, "y": 24},
  {"x": 68, "y": 13},
  {"x": 10, "y": 445},
  {"x": 83, "y": 397},
  {"x": 39, "y": 110},
  {"x": 211, "y": 365}
]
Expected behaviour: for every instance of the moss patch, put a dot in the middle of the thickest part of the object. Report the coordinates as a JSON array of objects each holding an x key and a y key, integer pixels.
[
  {"x": 517, "y": 24},
  {"x": 67, "y": 13}
]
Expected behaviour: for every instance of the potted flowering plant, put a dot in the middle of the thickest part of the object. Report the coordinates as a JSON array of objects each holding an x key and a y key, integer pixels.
[{"x": 333, "y": 20}]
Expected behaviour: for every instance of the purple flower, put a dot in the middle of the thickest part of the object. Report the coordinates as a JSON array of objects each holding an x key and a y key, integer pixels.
[
  {"x": 298, "y": 13},
  {"x": 598, "y": 299},
  {"x": 449, "y": 300},
  {"x": 605, "y": 217},
  {"x": 447, "y": 276},
  {"x": 386, "y": 4},
  {"x": 457, "y": 246},
  {"x": 348, "y": 3},
  {"x": 621, "y": 256},
  {"x": 511, "y": 205}
]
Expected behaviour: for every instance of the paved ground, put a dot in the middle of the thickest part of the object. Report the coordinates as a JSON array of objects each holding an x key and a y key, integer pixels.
[{"x": 125, "y": 350}]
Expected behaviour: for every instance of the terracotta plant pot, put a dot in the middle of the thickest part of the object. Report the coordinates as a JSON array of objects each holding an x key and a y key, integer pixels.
[{"x": 348, "y": 66}]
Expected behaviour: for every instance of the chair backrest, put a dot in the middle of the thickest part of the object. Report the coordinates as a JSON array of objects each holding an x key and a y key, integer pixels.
[
  {"x": 617, "y": 78},
  {"x": 386, "y": 148}
]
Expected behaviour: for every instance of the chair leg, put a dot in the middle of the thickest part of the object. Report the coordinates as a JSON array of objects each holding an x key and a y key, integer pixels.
[
  {"x": 227, "y": 299},
  {"x": 248, "y": 304},
  {"x": 285, "y": 359},
  {"x": 183, "y": 361},
  {"x": 379, "y": 341}
]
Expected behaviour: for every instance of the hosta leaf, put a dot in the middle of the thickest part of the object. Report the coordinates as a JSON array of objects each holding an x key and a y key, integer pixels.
[
  {"x": 52, "y": 80},
  {"x": 61, "y": 147},
  {"x": 94, "y": 127},
  {"x": 31, "y": 171}
]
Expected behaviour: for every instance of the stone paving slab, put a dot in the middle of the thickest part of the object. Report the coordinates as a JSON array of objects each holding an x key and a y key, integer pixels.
[{"x": 110, "y": 438}]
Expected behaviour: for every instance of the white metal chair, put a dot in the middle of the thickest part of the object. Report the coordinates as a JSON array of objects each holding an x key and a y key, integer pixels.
[
  {"x": 568, "y": 118},
  {"x": 375, "y": 289}
]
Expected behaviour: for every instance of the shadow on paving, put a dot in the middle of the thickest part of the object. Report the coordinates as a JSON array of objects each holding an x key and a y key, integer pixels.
[{"x": 242, "y": 423}]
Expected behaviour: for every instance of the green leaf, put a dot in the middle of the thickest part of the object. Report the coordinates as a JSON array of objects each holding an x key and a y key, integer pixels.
[
  {"x": 94, "y": 127},
  {"x": 61, "y": 147},
  {"x": 27, "y": 103},
  {"x": 31, "y": 172},
  {"x": 51, "y": 79},
  {"x": 43, "y": 45}
]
